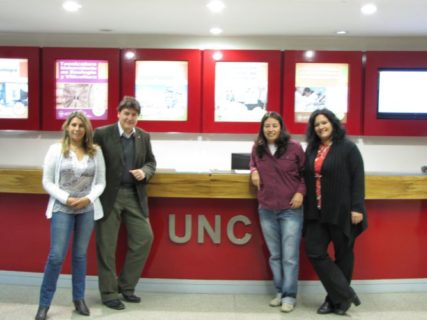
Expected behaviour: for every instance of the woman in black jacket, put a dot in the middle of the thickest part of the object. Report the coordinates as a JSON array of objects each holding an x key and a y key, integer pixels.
[{"x": 334, "y": 208}]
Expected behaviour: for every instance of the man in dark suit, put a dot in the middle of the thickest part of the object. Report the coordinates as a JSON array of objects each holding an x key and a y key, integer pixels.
[{"x": 130, "y": 164}]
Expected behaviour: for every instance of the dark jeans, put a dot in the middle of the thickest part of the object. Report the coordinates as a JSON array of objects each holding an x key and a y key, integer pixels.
[{"x": 334, "y": 275}]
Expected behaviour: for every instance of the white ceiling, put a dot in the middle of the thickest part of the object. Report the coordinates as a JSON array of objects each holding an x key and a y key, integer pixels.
[{"x": 240, "y": 17}]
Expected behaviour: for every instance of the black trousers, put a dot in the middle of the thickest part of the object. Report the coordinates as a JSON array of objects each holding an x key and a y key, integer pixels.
[{"x": 335, "y": 275}]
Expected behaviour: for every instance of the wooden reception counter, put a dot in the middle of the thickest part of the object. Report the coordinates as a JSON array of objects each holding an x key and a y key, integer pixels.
[
  {"x": 220, "y": 185},
  {"x": 206, "y": 226}
]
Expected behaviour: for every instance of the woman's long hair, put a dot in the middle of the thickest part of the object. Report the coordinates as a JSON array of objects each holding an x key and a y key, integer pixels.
[
  {"x": 87, "y": 144},
  {"x": 281, "y": 142},
  {"x": 338, "y": 131}
]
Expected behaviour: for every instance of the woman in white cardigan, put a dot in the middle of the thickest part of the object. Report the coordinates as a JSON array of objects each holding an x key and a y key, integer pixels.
[{"x": 74, "y": 177}]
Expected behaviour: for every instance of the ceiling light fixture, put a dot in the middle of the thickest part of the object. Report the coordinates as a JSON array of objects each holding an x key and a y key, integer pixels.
[
  {"x": 129, "y": 55},
  {"x": 309, "y": 54},
  {"x": 71, "y": 6},
  {"x": 215, "y": 6},
  {"x": 368, "y": 9},
  {"x": 215, "y": 31},
  {"x": 217, "y": 55},
  {"x": 342, "y": 32}
]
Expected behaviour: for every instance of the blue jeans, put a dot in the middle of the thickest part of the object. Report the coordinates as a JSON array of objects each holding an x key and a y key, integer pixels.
[
  {"x": 282, "y": 233},
  {"x": 61, "y": 227}
]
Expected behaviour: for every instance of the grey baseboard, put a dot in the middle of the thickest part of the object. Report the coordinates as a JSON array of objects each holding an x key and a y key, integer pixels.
[{"x": 222, "y": 286}]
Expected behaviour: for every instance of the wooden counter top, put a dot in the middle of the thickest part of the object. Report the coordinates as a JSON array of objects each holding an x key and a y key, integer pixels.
[{"x": 218, "y": 185}]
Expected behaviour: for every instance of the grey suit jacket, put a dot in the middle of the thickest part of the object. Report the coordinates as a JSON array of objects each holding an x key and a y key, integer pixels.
[{"x": 108, "y": 139}]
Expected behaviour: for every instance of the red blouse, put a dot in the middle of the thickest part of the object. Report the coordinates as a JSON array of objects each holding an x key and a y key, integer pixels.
[{"x": 318, "y": 163}]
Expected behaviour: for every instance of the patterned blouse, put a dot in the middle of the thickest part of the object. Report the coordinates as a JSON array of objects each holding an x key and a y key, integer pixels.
[
  {"x": 76, "y": 178},
  {"x": 322, "y": 152}
]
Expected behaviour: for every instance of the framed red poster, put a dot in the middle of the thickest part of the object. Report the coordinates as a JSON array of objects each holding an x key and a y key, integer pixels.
[
  {"x": 19, "y": 88},
  {"x": 239, "y": 87},
  {"x": 167, "y": 84},
  {"x": 322, "y": 79},
  {"x": 394, "y": 86},
  {"x": 80, "y": 79}
]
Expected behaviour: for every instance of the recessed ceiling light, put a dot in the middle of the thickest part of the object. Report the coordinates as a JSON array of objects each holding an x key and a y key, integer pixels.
[
  {"x": 217, "y": 55},
  {"x": 71, "y": 6},
  {"x": 309, "y": 54},
  {"x": 369, "y": 8},
  {"x": 129, "y": 55},
  {"x": 215, "y": 31},
  {"x": 215, "y": 6},
  {"x": 341, "y": 32}
]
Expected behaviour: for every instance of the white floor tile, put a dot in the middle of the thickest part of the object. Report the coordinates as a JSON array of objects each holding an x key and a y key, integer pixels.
[{"x": 20, "y": 302}]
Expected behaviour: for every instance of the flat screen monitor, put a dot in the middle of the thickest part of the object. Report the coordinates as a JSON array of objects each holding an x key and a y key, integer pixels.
[
  {"x": 401, "y": 93},
  {"x": 240, "y": 161}
]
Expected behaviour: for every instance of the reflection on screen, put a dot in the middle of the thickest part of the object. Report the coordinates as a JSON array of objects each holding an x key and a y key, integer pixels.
[
  {"x": 401, "y": 94},
  {"x": 82, "y": 85},
  {"x": 13, "y": 89}
]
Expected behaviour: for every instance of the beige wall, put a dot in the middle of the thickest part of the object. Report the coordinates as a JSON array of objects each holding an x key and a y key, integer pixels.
[{"x": 192, "y": 42}]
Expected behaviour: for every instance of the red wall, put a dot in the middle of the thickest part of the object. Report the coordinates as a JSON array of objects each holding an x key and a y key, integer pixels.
[{"x": 392, "y": 247}]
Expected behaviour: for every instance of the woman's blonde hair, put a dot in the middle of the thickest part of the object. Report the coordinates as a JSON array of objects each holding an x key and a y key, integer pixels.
[{"x": 88, "y": 145}]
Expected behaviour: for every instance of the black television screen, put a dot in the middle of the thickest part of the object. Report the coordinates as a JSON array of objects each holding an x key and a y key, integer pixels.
[
  {"x": 240, "y": 161},
  {"x": 401, "y": 94}
]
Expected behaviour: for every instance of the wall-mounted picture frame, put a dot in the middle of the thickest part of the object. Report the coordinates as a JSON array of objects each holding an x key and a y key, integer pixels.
[
  {"x": 322, "y": 79},
  {"x": 167, "y": 83},
  {"x": 239, "y": 87},
  {"x": 19, "y": 88},
  {"x": 80, "y": 79}
]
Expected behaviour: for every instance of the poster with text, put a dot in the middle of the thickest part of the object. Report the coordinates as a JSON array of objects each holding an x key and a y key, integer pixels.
[
  {"x": 161, "y": 87},
  {"x": 82, "y": 85},
  {"x": 240, "y": 91},
  {"x": 13, "y": 89},
  {"x": 321, "y": 85}
]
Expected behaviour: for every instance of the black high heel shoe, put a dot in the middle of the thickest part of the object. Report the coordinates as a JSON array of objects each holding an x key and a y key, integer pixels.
[
  {"x": 81, "y": 307},
  {"x": 343, "y": 307},
  {"x": 41, "y": 313}
]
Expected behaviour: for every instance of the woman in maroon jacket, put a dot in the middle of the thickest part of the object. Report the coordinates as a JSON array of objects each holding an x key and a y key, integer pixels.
[
  {"x": 276, "y": 170},
  {"x": 334, "y": 207}
]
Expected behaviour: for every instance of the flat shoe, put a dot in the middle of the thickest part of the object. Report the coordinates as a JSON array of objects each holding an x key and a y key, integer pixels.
[
  {"x": 115, "y": 304},
  {"x": 131, "y": 298},
  {"x": 325, "y": 308}
]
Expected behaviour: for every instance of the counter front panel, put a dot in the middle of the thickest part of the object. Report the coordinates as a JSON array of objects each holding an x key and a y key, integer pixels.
[{"x": 220, "y": 239}]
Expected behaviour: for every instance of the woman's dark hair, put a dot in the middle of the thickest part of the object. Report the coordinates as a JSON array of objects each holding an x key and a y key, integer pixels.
[
  {"x": 338, "y": 131},
  {"x": 281, "y": 142}
]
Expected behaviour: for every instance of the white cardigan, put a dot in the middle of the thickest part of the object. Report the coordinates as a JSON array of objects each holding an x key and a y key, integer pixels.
[{"x": 51, "y": 167}]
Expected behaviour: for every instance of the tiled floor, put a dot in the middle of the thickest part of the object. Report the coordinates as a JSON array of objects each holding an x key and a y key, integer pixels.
[{"x": 20, "y": 302}]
